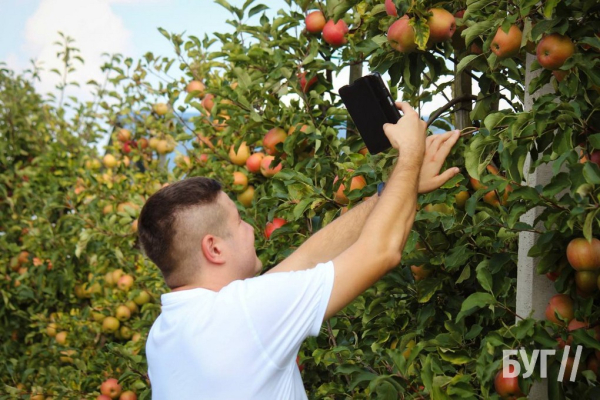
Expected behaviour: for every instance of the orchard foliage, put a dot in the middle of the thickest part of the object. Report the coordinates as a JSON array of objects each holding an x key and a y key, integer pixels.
[{"x": 436, "y": 326}]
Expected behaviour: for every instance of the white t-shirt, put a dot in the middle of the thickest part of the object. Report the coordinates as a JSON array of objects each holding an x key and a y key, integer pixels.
[{"x": 238, "y": 343}]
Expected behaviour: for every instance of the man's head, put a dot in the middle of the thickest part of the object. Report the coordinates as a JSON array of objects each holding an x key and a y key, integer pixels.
[{"x": 192, "y": 230}]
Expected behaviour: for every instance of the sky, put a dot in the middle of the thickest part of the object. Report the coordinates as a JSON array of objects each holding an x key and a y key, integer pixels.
[{"x": 29, "y": 28}]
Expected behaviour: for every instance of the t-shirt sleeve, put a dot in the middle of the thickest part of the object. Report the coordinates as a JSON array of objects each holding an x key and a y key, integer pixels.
[{"x": 285, "y": 308}]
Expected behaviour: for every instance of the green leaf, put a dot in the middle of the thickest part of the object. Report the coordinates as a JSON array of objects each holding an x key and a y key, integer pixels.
[
  {"x": 459, "y": 357},
  {"x": 164, "y": 33},
  {"x": 458, "y": 256},
  {"x": 465, "y": 61},
  {"x": 474, "y": 302},
  {"x": 421, "y": 32},
  {"x": 492, "y": 120},
  {"x": 256, "y": 9},
  {"x": 591, "y": 173},
  {"x": 477, "y": 29},
  {"x": 464, "y": 275},
  {"x": 428, "y": 287},
  {"x": 484, "y": 277},
  {"x": 594, "y": 140},
  {"x": 588, "y": 224},
  {"x": 549, "y": 6}
]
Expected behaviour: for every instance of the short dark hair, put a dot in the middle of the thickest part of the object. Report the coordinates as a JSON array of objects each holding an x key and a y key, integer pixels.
[{"x": 157, "y": 221}]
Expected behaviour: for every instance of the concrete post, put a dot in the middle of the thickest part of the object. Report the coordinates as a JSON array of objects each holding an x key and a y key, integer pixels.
[{"x": 533, "y": 290}]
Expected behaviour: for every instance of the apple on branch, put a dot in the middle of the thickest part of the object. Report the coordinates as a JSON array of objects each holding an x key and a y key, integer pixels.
[
  {"x": 507, "y": 387},
  {"x": 334, "y": 33},
  {"x": 266, "y": 167},
  {"x": 442, "y": 25},
  {"x": 560, "y": 304},
  {"x": 401, "y": 35},
  {"x": 271, "y": 226},
  {"x": 272, "y": 138},
  {"x": 110, "y": 388},
  {"x": 506, "y": 45},
  {"x": 553, "y": 50},
  {"x": 195, "y": 87},
  {"x": 304, "y": 84},
  {"x": 246, "y": 197},
  {"x": 315, "y": 21},
  {"x": 390, "y": 8},
  {"x": 240, "y": 156},
  {"x": 253, "y": 162}
]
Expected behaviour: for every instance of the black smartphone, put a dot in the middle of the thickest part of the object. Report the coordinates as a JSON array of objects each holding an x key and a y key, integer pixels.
[{"x": 370, "y": 105}]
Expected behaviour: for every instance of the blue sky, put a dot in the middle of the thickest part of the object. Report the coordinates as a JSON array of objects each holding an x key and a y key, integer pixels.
[{"x": 129, "y": 27}]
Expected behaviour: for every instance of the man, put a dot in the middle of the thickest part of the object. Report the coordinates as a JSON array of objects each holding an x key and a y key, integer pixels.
[{"x": 225, "y": 334}]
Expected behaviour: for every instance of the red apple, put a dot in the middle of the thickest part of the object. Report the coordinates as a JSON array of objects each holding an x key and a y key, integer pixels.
[
  {"x": 559, "y": 74},
  {"x": 562, "y": 305},
  {"x": 442, "y": 25},
  {"x": 271, "y": 226},
  {"x": 304, "y": 85},
  {"x": 124, "y": 135},
  {"x": 110, "y": 388},
  {"x": 208, "y": 102},
  {"x": 506, "y": 45},
  {"x": 128, "y": 395},
  {"x": 595, "y": 157},
  {"x": 507, "y": 388},
  {"x": 142, "y": 143},
  {"x": 103, "y": 397},
  {"x": 266, "y": 169},
  {"x": 240, "y": 181},
  {"x": 401, "y": 36},
  {"x": 300, "y": 366},
  {"x": 357, "y": 183},
  {"x": 272, "y": 138},
  {"x": 583, "y": 255},
  {"x": 126, "y": 148},
  {"x": 315, "y": 21},
  {"x": 335, "y": 33},
  {"x": 553, "y": 276},
  {"x": 125, "y": 282},
  {"x": 420, "y": 272},
  {"x": 553, "y": 50},
  {"x": 195, "y": 86},
  {"x": 203, "y": 159},
  {"x": 390, "y": 8},
  {"x": 253, "y": 162}
]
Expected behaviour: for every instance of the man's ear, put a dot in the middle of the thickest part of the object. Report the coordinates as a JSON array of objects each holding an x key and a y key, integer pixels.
[{"x": 212, "y": 249}]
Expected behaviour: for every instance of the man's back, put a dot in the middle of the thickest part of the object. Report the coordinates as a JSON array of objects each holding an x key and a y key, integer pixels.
[{"x": 239, "y": 343}]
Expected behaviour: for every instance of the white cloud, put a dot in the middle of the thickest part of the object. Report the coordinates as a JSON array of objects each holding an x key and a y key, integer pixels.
[{"x": 95, "y": 28}]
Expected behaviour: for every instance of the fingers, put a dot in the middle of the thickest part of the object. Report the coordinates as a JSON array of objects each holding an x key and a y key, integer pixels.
[
  {"x": 405, "y": 108},
  {"x": 444, "y": 177},
  {"x": 449, "y": 142},
  {"x": 445, "y": 141}
]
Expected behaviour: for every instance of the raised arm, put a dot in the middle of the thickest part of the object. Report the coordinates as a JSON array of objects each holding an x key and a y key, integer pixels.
[
  {"x": 379, "y": 247},
  {"x": 340, "y": 234}
]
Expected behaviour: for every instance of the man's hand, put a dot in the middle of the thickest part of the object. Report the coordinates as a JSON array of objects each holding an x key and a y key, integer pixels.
[
  {"x": 437, "y": 149},
  {"x": 408, "y": 135}
]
